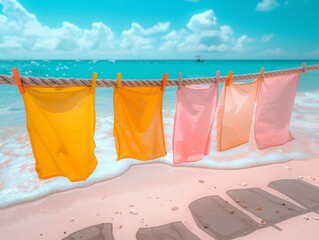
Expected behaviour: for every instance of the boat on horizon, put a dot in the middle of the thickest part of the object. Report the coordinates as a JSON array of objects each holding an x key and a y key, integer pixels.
[{"x": 199, "y": 59}]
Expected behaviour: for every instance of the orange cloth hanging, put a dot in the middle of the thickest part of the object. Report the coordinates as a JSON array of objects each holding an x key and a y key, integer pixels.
[
  {"x": 235, "y": 113},
  {"x": 61, "y": 125},
  {"x": 138, "y": 124}
]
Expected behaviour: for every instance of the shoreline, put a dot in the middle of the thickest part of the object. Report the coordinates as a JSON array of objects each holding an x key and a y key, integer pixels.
[
  {"x": 17, "y": 157},
  {"x": 155, "y": 163},
  {"x": 153, "y": 190}
]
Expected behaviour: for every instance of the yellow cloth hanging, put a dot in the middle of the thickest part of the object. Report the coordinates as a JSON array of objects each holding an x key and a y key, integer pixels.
[
  {"x": 61, "y": 125},
  {"x": 138, "y": 124}
]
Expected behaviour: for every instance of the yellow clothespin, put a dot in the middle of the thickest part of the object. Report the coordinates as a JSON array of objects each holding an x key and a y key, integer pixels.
[
  {"x": 262, "y": 74},
  {"x": 119, "y": 79},
  {"x": 180, "y": 81},
  {"x": 18, "y": 80},
  {"x": 93, "y": 82},
  {"x": 164, "y": 82},
  {"x": 217, "y": 77},
  {"x": 229, "y": 78}
]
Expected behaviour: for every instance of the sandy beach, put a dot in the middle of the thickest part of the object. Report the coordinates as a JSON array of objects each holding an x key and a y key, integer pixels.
[{"x": 157, "y": 194}]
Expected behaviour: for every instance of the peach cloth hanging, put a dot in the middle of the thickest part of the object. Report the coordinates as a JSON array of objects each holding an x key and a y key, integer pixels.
[
  {"x": 61, "y": 125},
  {"x": 235, "y": 114},
  {"x": 194, "y": 117},
  {"x": 138, "y": 124},
  {"x": 274, "y": 107}
]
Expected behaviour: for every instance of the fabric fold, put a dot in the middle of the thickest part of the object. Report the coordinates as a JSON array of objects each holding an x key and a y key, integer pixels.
[
  {"x": 138, "y": 124},
  {"x": 194, "y": 117},
  {"x": 61, "y": 125},
  {"x": 235, "y": 113},
  {"x": 274, "y": 108}
]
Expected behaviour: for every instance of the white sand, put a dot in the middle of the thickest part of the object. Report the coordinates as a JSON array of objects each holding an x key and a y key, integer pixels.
[{"x": 153, "y": 190}]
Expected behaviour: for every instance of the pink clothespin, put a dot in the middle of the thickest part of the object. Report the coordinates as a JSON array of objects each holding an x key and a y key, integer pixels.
[
  {"x": 304, "y": 68},
  {"x": 262, "y": 74},
  {"x": 217, "y": 77},
  {"x": 180, "y": 81}
]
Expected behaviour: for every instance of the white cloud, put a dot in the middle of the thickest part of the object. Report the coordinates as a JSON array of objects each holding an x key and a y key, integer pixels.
[
  {"x": 202, "y": 21},
  {"x": 138, "y": 37},
  {"x": 173, "y": 38},
  {"x": 24, "y": 36},
  {"x": 98, "y": 37},
  {"x": 267, "y": 37},
  {"x": 138, "y": 29},
  {"x": 241, "y": 42},
  {"x": 3, "y": 19},
  {"x": 136, "y": 42},
  {"x": 208, "y": 40},
  {"x": 203, "y": 34},
  {"x": 157, "y": 28},
  {"x": 267, "y": 5},
  {"x": 11, "y": 42},
  {"x": 23, "y": 30},
  {"x": 226, "y": 33},
  {"x": 15, "y": 11}
]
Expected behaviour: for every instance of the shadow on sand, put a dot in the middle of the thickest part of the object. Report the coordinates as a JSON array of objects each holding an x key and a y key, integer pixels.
[{"x": 223, "y": 221}]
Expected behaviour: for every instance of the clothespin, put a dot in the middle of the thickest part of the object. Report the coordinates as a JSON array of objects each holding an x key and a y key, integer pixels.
[
  {"x": 18, "y": 80},
  {"x": 93, "y": 82},
  {"x": 217, "y": 77},
  {"x": 304, "y": 68},
  {"x": 164, "y": 82},
  {"x": 229, "y": 78},
  {"x": 180, "y": 80},
  {"x": 119, "y": 79},
  {"x": 262, "y": 74}
]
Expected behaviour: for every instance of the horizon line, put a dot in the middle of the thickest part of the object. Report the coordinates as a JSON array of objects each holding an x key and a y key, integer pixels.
[{"x": 150, "y": 59}]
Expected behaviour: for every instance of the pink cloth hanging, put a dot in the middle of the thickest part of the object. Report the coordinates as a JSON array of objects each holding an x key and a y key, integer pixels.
[
  {"x": 274, "y": 107},
  {"x": 235, "y": 113},
  {"x": 194, "y": 117}
]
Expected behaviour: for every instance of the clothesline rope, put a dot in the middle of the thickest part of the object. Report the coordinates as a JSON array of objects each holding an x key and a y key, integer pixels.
[{"x": 108, "y": 83}]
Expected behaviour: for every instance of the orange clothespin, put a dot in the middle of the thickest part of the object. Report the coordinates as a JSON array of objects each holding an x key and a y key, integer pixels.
[
  {"x": 229, "y": 78},
  {"x": 262, "y": 74},
  {"x": 119, "y": 79},
  {"x": 217, "y": 77},
  {"x": 180, "y": 81},
  {"x": 164, "y": 82},
  {"x": 93, "y": 82},
  {"x": 18, "y": 80}
]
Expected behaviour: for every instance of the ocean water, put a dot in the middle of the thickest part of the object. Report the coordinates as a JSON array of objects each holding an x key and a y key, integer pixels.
[{"x": 19, "y": 181}]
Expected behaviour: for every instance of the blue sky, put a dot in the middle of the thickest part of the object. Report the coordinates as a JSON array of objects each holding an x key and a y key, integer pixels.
[{"x": 159, "y": 29}]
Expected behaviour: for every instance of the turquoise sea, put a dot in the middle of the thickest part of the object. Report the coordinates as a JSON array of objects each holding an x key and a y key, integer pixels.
[{"x": 18, "y": 179}]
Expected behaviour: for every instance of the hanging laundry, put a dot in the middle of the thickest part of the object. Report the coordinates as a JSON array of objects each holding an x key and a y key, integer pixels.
[
  {"x": 274, "y": 107},
  {"x": 138, "y": 124},
  {"x": 194, "y": 117},
  {"x": 61, "y": 125},
  {"x": 235, "y": 113}
]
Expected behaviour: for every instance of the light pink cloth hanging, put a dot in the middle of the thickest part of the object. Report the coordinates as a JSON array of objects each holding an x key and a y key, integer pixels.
[
  {"x": 194, "y": 117},
  {"x": 274, "y": 107}
]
